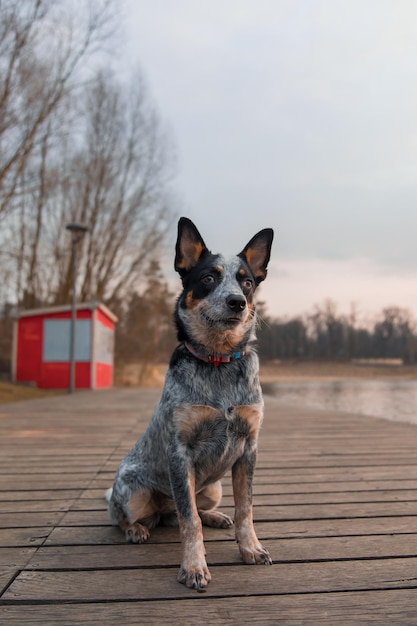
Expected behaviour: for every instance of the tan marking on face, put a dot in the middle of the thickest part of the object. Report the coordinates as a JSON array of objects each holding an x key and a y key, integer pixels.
[
  {"x": 224, "y": 342},
  {"x": 219, "y": 269},
  {"x": 241, "y": 272},
  {"x": 189, "y": 416},
  {"x": 253, "y": 415},
  {"x": 190, "y": 302},
  {"x": 213, "y": 338}
]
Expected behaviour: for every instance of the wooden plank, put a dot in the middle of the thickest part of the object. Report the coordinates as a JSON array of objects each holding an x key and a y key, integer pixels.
[
  {"x": 12, "y": 560},
  {"x": 47, "y": 464},
  {"x": 331, "y": 487},
  {"x": 304, "y": 499},
  {"x": 337, "y": 489},
  {"x": 31, "y": 506},
  {"x": 277, "y": 512},
  {"x": 388, "y": 459},
  {"x": 367, "y": 608},
  {"x": 103, "y": 535},
  {"x": 41, "y": 494},
  {"x": 232, "y": 581},
  {"x": 13, "y": 520},
  {"x": 306, "y": 476},
  {"x": 7, "y": 574},
  {"x": 335, "y": 473},
  {"x": 32, "y": 536},
  {"x": 15, "y": 557},
  {"x": 330, "y": 478},
  {"x": 12, "y": 479},
  {"x": 84, "y": 535},
  {"x": 16, "y": 482},
  {"x": 222, "y": 552},
  {"x": 267, "y": 466}
]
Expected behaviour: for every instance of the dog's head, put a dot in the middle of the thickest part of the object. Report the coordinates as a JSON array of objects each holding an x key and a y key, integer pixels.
[{"x": 216, "y": 308}]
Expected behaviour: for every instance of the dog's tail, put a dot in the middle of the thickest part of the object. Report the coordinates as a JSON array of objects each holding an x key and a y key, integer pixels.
[{"x": 108, "y": 493}]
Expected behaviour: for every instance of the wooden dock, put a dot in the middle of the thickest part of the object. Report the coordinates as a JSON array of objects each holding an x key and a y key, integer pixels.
[{"x": 335, "y": 503}]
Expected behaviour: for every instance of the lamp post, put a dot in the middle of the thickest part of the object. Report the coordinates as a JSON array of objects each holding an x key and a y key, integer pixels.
[{"x": 77, "y": 232}]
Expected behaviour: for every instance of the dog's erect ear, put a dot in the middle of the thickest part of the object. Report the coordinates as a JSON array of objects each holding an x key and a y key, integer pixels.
[
  {"x": 257, "y": 253},
  {"x": 190, "y": 246}
]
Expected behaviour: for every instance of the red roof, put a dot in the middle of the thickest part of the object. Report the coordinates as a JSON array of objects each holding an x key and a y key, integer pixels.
[{"x": 91, "y": 306}]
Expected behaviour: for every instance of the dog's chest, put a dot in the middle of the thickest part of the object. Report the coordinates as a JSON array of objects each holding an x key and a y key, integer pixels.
[{"x": 215, "y": 440}]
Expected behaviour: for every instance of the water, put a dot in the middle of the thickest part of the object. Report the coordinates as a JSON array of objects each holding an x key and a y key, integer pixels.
[{"x": 391, "y": 399}]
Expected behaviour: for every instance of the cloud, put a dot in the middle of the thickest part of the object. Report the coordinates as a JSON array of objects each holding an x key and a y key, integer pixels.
[{"x": 359, "y": 281}]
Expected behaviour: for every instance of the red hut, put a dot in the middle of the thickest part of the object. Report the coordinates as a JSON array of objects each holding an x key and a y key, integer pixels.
[{"x": 41, "y": 347}]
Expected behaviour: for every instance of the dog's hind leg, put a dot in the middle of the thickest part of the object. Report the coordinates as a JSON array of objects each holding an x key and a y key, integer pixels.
[
  {"x": 135, "y": 532},
  {"x": 136, "y": 518},
  {"x": 207, "y": 501}
]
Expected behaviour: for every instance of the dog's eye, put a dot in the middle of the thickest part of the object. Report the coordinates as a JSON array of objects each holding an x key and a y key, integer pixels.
[
  {"x": 208, "y": 280},
  {"x": 247, "y": 284}
]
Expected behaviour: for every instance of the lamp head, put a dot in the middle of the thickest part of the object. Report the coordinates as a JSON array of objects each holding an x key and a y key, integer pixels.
[
  {"x": 74, "y": 227},
  {"x": 77, "y": 231}
]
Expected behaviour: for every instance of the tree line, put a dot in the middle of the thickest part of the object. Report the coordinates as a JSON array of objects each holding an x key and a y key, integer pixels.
[
  {"x": 146, "y": 332},
  {"x": 325, "y": 334}
]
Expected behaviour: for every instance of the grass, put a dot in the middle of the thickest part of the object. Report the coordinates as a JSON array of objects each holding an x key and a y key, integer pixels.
[{"x": 10, "y": 392}]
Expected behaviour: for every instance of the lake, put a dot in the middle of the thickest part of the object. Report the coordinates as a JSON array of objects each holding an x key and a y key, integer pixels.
[{"x": 390, "y": 399}]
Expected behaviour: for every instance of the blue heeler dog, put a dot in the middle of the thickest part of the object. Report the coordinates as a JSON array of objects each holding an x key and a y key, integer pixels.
[{"x": 210, "y": 412}]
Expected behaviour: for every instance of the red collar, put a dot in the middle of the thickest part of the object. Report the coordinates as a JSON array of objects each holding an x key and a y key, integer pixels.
[{"x": 215, "y": 359}]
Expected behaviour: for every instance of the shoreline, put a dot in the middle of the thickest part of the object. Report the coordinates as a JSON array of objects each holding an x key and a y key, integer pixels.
[
  {"x": 153, "y": 374},
  {"x": 332, "y": 372}
]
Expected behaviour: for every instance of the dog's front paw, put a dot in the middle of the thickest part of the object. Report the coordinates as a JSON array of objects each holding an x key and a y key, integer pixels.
[
  {"x": 194, "y": 577},
  {"x": 136, "y": 533},
  {"x": 255, "y": 555}
]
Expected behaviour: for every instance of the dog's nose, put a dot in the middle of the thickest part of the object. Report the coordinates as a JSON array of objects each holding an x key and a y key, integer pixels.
[{"x": 236, "y": 303}]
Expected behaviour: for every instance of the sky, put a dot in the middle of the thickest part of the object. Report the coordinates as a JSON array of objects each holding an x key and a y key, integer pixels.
[{"x": 299, "y": 115}]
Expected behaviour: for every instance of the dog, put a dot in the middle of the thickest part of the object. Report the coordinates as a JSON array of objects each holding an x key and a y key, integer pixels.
[{"x": 210, "y": 412}]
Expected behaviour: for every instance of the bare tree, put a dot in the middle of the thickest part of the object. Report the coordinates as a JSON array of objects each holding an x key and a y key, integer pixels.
[
  {"x": 326, "y": 335},
  {"x": 118, "y": 188},
  {"x": 42, "y": 43},
  {"x": 110, "y": 171},
  {"x": 123, "y": 188},
  {"x": 395, "y": 334}
]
